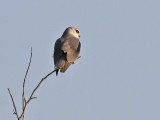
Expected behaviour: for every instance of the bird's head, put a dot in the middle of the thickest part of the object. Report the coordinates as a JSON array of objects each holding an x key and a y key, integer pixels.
[{"x": 71, "y": 31}]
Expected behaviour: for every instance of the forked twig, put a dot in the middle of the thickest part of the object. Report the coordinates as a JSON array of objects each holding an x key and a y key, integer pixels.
[
  {"x": 31, "y": 97},
  {"x": 24, "y": 102}
]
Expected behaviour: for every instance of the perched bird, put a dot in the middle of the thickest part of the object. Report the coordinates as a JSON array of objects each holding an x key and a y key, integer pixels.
[{"x": 66, "y": 49}]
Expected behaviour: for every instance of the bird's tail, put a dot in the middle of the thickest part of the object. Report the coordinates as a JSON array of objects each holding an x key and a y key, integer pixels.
[
  {"x": 62, "y": 66},
  {"x": 57, "y": 72},
  {"x": 65, "y": 67}
]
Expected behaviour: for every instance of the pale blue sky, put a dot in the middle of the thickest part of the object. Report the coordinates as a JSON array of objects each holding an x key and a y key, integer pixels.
[{"x": 117, "y": 77}]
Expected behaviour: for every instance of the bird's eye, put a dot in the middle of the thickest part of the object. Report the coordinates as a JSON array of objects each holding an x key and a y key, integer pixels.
[{"x": 77, "y": 31}]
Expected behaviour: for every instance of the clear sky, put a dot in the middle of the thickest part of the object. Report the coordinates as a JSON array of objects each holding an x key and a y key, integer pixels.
[{"x": 117, "y": 77}]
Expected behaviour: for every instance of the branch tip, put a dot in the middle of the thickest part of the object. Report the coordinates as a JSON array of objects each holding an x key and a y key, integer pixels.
[{"x": 34, "y": 97}]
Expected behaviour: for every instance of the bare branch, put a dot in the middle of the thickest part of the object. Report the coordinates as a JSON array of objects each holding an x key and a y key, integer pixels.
[
  {"x": 31, "y": 97},
  {"x": 15, "y": 109},
  {"x": 24, "y": 101},
  {"x": 23, "y": 96}
]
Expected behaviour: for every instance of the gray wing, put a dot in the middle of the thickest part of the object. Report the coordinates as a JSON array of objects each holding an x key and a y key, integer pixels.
[
  {"x": 66, "y": 51},
  {"x": 71, "y": 46},
  {"x": 58, "y": 53},
  {"x": 60, "y": 60}
]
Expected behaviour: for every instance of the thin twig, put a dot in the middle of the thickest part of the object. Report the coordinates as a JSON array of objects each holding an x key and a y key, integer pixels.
[
  {"x": 24, "y": 102},
  {"x": 31, "y": 97},
  {"x": 23, "y": 95},
  {"x": 15, "y": 110}
]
